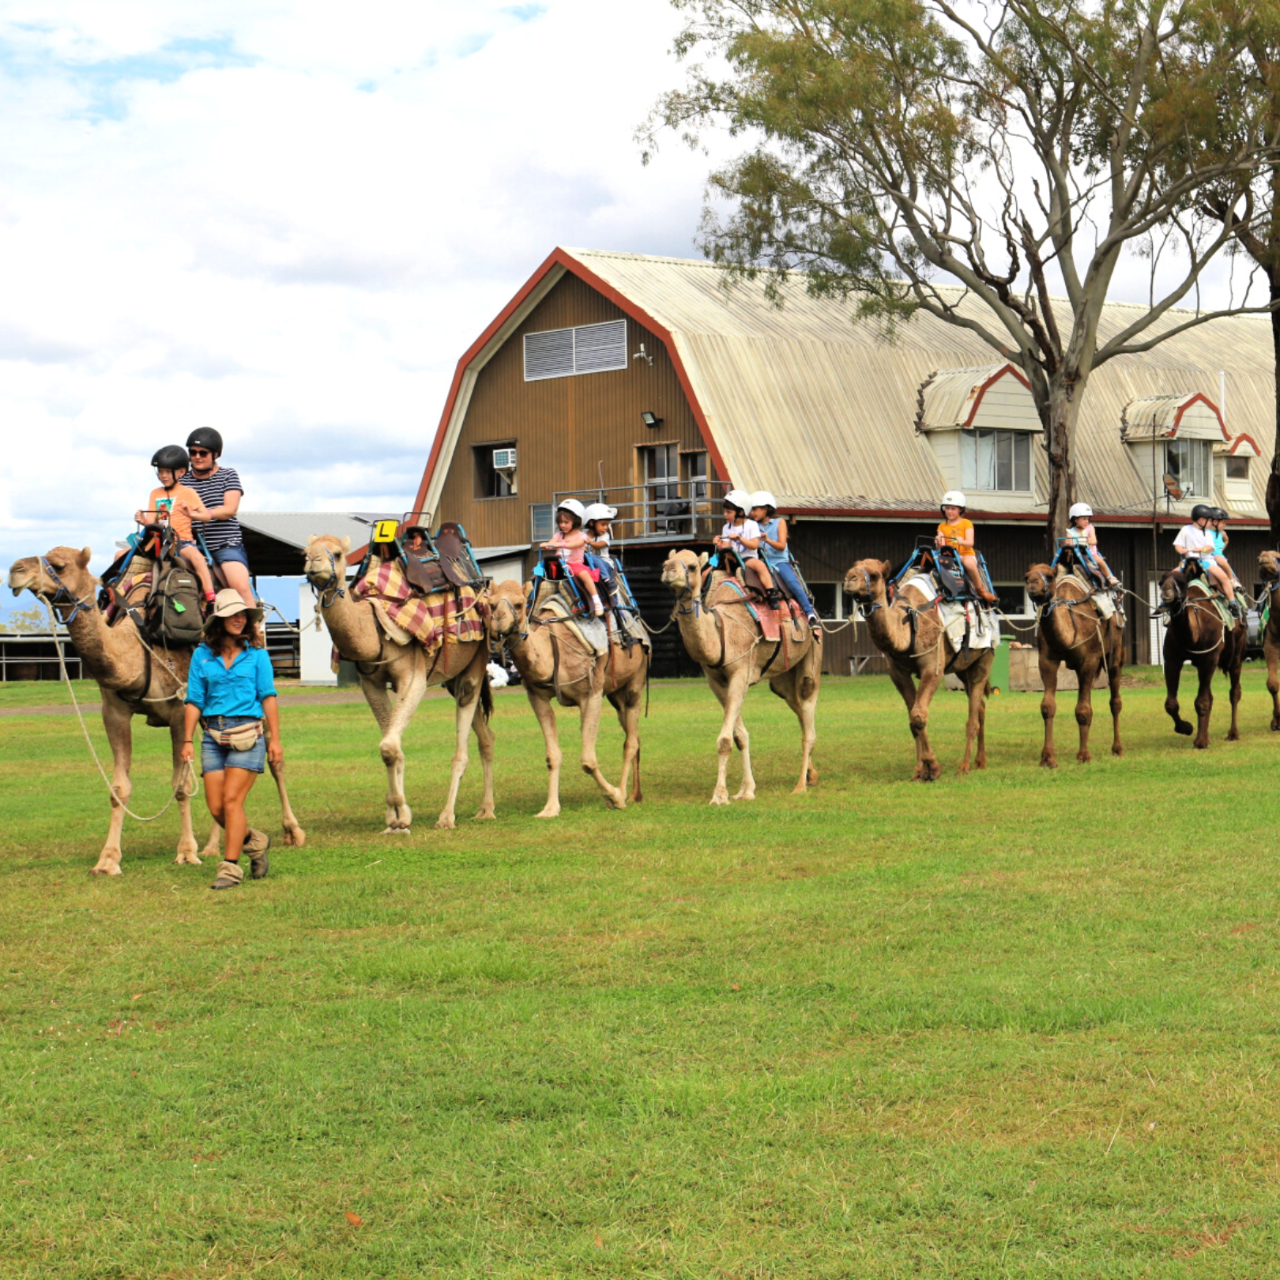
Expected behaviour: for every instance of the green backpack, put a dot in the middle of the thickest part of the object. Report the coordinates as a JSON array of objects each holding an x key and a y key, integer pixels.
[{"x": 173, "y": 609}]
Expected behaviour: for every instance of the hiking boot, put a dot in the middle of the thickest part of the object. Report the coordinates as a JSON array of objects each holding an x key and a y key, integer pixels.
[
  {"x": 256, "y": 844},
  {"x": 230, "y": 874}
]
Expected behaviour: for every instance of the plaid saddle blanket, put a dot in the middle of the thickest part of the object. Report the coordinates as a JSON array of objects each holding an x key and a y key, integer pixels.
[{"x": 455, "y": 612}]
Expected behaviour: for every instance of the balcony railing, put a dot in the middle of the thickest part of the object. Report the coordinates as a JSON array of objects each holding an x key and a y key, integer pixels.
[{"x": 688, "y": 510}]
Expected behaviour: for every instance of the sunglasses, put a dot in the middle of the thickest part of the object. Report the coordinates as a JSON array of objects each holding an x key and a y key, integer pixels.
[{"x": 200, "y": 453}]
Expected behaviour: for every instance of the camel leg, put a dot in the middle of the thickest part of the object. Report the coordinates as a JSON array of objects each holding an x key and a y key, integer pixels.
[
  {"x": 1233, "y": 734},
  {"x": 1087, "y": 674},
  {"x": 393, "y": 720},
  {"x": 798, "y": 688},
  {"x": 187, "y": 855},
  {"x": 589, "y": 710},
  {"x": 468, "y": 688},
  {"x": 213, "y": 845},
  {"x": 115, "y": 718},
  {"x": 929, "y": 769},
  {"x": 1172, "y": 677},
  {"x": 293, "y": 832},
  {"x": 627, "y": 704},
  {"x": 1115, "y": 669},
  {"x": 540, "y": 701},
  {"x": 731, "y": 693},
  {"x": 1048, "y": 708},
  {"x": 975, "y": 685},
  {"x": 484, "y": 738},
  {"x": 1272, "y": 650},
  {"x": 1204, "y": 701}
]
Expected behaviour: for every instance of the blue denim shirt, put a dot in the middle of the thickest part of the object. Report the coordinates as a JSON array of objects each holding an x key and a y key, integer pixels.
[
  {"x": 772, "y": 556},
  {"x": 237, "y": 690}
]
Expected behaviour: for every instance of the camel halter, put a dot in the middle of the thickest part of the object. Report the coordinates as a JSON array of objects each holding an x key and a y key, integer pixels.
[
  {"x": 331, "y": 584},
  {"x": 63, "y": 596}
]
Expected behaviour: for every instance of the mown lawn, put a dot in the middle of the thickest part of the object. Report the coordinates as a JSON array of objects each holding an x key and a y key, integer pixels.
[{"x": 1020, "y": 1024}]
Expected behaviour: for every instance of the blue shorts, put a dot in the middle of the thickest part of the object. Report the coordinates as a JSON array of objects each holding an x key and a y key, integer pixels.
[
  {"x": 214, "y": 757},
  {"x": 234, "y": 554},
  {"x": 183, "y": 543}
]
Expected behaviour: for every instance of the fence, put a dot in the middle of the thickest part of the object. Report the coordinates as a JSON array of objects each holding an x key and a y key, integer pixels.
[{"x": 691, "y": 510}]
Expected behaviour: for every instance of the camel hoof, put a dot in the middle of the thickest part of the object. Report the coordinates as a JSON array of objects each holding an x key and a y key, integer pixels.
[
  {"x": 548, "y": 812},
  {"x": 1275, "y": 726},
  {"x": 296, "y": 838},
  {"x": 1048, "y": 762},
  {"x": 963, "y": 770},
  {"x": 105, "y": 869},
  {"x": 398, "y": 831},
  {"x": 1233, "y": 736},
  {"x": 745, "y": 795},
  {"x": 611, "y": 802},
  {"x": 799, "y": 789},
  {"x": 1083, "y": 757},
  {"x": 443, "y": 824},
  {"x": 187, "y": 860},
  {"x": 1183, "y": 727},
  {"x": 719, "y": 799},
  {"x": 485, "y": 815},
  {"x": 1117, "y": 751}
]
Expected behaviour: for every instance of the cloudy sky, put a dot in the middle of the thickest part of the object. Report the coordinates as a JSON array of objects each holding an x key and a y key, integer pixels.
[{"x": 289, "y": 220}]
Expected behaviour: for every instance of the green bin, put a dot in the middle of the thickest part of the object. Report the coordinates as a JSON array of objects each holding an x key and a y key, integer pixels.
[{"x": 1000, "y": 668}]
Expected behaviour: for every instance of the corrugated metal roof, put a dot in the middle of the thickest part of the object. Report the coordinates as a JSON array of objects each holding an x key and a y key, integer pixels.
[
  {"x": 806, "y": 401},
  {"x": 296, "y": 528},
  {"x": 948, "y": 398}
]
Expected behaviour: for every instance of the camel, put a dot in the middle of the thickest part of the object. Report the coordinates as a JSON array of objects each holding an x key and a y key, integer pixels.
[
  {"x": 383, "y": 653},
  {"x": 1196, "y": 634},
  {"x": 134, "y": 682},
  {"x": 554, "y": 666},
  {"x": 726, "y": 641},
  {"x": 909, "y": 633},
  {"x": 1269, "y": 569},
  {"x": 1071, "y": 630}
]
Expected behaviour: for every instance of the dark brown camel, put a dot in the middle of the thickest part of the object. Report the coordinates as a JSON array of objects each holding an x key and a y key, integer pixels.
[
  {"x": 1072, "y": 630},
  {"x": 1269, "y": 569},
  {"x": 1196, "y": 634}
]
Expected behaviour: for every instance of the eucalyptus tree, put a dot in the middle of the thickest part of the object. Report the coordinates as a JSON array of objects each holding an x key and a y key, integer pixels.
[{"x": 972, "y": 162}]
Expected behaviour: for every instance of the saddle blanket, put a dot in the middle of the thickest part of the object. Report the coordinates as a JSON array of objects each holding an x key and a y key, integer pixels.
[
  {"x": 455, "y": 613},
  {"x": 592, "y": 632},
  {"x": 961, "y": 619},
  {"x": 1219, "y": 602}
]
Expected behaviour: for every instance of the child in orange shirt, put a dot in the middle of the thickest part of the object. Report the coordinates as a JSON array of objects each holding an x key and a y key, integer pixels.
[
  {"x": 170, "y": 463},
  {"x": 956, "y": 532}
]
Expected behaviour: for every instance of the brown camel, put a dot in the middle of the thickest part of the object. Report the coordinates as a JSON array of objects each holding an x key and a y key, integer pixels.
[
  {"x": 726, "y": 641},
  {"x": 909, "y": 633},
  {"x": 384, "y": 654},
  {"x": 134, "y": 682},
  {"x": 1196, "y": 634},
  {"x": 554, "y": 667},
  {"x": 1072, "y": 630},
  {"x": 1269, "y": 569}
]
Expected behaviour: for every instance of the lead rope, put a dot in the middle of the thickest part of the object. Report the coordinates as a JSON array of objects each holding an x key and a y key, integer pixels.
[{"x": 187, "y": 772}]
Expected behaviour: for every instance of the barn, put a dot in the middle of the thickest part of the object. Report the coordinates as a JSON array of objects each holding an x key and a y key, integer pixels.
[{"x": 660, "y": 383}]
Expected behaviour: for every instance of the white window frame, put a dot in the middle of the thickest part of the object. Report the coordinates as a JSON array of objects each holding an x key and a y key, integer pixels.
[
  {"x": 969, "y": 482},
  {"x": 1204, "y": 448},
  {"x": 583, "y": 344}
]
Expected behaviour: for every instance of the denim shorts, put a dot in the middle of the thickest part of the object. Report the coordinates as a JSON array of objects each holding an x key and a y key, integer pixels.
[
  {"x": 234, "y": 554},
  {"x": 184, "y": 543},
  {"x": 214, "y": 757}
]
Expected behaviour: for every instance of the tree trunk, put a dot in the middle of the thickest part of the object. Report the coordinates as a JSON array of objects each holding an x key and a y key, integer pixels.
[
  {"x": 1273, "y": 480},
  {"x": 1064, "y": 408}
]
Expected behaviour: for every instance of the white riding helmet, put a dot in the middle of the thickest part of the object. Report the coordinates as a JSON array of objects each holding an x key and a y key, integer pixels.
[
  {"x": 953, "y": 498},
  {"x": 1080, "y": 509},
  {"x": 739, "y": 498},
  {"x": 574, "y": 507},
  {"x": 599, "y": 511},
  {"x": 763, "y": 498}
]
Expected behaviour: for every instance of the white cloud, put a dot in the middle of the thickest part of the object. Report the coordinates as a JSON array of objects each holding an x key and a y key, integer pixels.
[{"x": 289, "y": 224}]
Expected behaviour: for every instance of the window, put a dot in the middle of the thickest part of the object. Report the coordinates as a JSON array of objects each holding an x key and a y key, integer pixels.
[
  {"x": 661, "y": 464},
  {"x": 828, "y": 599},
  {"x": 541, "y": 526},
  {"x": 695, "y": 475},
  {"x": 588, "y": 348},
  {"x": 1013, "y": 601},
  {"x": 490, "y": 483},
  {"x": 1190, "y": 463},
  {"x": 1237, "y": 468},
  {"x": 996, "y": 460}
]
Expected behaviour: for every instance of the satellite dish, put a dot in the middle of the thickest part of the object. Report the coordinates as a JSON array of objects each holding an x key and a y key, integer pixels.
[{"x": 1172, "y": 488}]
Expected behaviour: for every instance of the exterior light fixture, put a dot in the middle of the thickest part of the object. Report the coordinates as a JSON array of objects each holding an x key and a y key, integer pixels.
[{"x": 650, "y": 419}]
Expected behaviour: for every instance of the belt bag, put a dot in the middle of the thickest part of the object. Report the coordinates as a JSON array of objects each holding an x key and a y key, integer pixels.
[{"x": 244, "y": 737}]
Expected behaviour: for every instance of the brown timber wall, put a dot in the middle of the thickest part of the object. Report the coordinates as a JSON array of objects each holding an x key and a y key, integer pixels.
[{"x": 563, "y": 427}]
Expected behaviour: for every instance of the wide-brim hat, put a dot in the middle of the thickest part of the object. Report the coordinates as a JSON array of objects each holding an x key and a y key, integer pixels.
[{"x": 227, "y": 603}]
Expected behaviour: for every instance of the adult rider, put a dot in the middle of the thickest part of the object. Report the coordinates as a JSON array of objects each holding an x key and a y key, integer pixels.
[{"x": 220, "y": 490}]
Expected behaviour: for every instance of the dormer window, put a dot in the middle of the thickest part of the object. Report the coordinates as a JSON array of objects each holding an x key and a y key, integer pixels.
[
  {"x": 1236, "y": 476},
  {"x": 1171, "y": 441},
  {"x": 981, "y": 423}
]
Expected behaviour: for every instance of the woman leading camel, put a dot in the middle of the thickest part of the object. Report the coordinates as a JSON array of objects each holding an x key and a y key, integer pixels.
[
  {"x": 230, "y": 689},
  {"x": 220, "y": 490}
]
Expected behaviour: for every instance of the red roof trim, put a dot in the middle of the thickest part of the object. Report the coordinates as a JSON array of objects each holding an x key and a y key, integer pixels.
[
  {"x": 1244, "y": 439},
  {"x": 1217, "y": 413},
  {"x": 559, "y": 258},
  {"x": 984, "y": 387}
]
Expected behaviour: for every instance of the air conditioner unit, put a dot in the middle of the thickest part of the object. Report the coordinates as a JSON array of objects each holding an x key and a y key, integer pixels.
[{"x": 504, "y": 459}]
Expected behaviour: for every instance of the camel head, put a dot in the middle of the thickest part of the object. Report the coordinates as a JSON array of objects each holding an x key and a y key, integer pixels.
[
  {"x": 325, "y": 560},
  {"x": 506, "y": 609},
  {"x": 1173, "y": 586},
  {"x": 1269, "y": 565},
  {"x": 868, "y": 580},
  {"x": 1039, "y": 579},
  {"x": 61, "y": 569},
  {"x": 682, "y": 571}
]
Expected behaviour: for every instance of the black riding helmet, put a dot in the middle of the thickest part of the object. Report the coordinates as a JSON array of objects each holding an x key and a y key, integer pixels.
[
  {"x": 173, "y": 457},
  {"x": 205, "y": 438},
  {"x": 1201, "y": 511}
]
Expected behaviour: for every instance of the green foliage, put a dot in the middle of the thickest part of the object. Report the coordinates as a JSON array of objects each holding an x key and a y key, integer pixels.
[
  {"x": 1015, "y": 1024},
  {"x": 24, "y": 621}
]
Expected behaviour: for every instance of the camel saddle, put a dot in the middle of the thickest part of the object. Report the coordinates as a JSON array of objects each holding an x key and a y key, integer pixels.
[{"x": 456, "y": 560}]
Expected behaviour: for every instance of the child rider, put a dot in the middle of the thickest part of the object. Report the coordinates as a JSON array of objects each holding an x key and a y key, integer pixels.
[
  {"x": 163, "y": 504},
  {"x": 956, "y": 532}
]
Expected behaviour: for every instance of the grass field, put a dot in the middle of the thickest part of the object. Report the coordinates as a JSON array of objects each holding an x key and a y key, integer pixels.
[{"x": 1020, "y": 1024}]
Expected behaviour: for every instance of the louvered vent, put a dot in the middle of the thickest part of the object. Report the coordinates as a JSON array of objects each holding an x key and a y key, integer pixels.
[{"x": 561, "y": 353}]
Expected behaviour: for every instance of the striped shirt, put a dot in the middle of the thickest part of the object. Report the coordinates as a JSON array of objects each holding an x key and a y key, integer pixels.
[{"x": 213, "y": 492}]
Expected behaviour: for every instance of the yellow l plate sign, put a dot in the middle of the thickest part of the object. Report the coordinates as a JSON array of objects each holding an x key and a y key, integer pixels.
[{"x": 385, "y": 530}]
